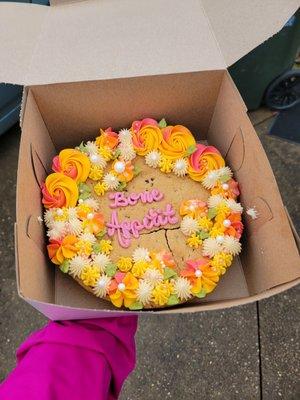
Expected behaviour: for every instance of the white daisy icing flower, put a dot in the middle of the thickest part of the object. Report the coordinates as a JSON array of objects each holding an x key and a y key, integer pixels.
[
  {"x": 234, "y": 206},
  {"x": 58, "y": 231},
  {"x": 88, "y": 237},
  {"x": 153, "y": 158},
  {"x": 91, "y": 148},
  {"x": 141, "y": 254},
  {"x": 144, "y": 292},
  {"x": 49, "y": 217},
  {"x": 211, "y": 247},
  {"x": 127, "y": 152},
  {"x": 125, "y": 136},
  {"x": 92, "y": 203},
  {"x": 225, "y": 174},
  {"x": 77, "y": 264},
  {"x": 252, "y": 212},
  {"x": 214, "y": 201},
  {"x": 102, "y": 286},
  {"x": 111, "y": 181},
  {"x": 182, "y": 288},
  {"x": 231, "y": 245},
  {"x": 74, "y": 226},
  {"x": 153, "y": 276},
  {"x": 101, "y": 260},
  {"x": 180, "y": 167},
  {"x": 189, "y": 226},
  {"x": 97, "y": 159},
  {"x": 72, "y": 213},
  {"x": 210, "y": 179}
]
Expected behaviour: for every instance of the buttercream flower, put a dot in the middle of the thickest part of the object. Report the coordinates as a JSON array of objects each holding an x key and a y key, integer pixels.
[
  {"x": 229, "y": 190},
  {"x": 194, "y": 241},
  {"x": 123, "y": 289},
  {"x": 94, "y": 223},
  {"x": 138, "y": 125},
  {"x": 123, "y": 170},
  {"x": 161, "y": 293},
  {"x": 146, "y": 139},
  {"x": 139, "y": 268},
  {"x": 84, "y": 247},
  {"x": 176, "y": 141},
  {"x": 59, "y": 191},
  {"x": 193, "y": 208},
  {"x": 235, "y": 226},
  {"x": 105, "y": 246},
  {"x": 96, "y": 172},
  {"x": 59, "y": 250},
  {"x": 165, "y": 258},
  {"x": 107, "y": 138},
  {"x": 73, "y": 163},
  {"x": 203, "y": 160},
  {"x": 201, "y": 275},
  {"x": 124, "y": 264},
  {"x": 90, "y": 275},
  {"x": 220, "y": 262},
  {"x": 100, "y": 188}
]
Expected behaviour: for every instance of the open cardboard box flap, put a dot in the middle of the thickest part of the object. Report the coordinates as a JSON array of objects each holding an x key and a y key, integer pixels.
[{"x": 90, "y": 40}]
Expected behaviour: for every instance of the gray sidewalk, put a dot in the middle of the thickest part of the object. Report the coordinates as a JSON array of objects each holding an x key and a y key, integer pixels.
[{"x": 249, "y": 352}]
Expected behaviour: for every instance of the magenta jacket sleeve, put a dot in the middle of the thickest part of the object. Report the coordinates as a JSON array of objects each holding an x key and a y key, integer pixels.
[{"x": 86, "y": 359}]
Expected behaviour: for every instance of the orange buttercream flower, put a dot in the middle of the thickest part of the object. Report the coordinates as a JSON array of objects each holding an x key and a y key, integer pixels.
[
  {"x": 229, "y": 189},
  {"x": 176, "y": 141},
  {"x": 201, "y": 275},
  {"x": 94, "y": 223},
  {"x": 59, "y": 250},
  {"x": 72, "y": 163},
  {"x": 107, "y": 138},
  {"x": 236, "y": 226},
  {"x": 123, "y": 170},
  {"x": 123, "y": 289},
  {"x": 203, "y": 160},
  {"x": 59, "y": 191},
  {"x": 194, "y": 208},
  {"x": 146, "y": 139}
]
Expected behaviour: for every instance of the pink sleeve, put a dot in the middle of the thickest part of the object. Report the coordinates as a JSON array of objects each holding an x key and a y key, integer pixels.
[{"x": 86, "y": 359}]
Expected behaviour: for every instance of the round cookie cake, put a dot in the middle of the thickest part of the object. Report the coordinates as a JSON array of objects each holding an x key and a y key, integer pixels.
[{"x": 145, "y": 218}]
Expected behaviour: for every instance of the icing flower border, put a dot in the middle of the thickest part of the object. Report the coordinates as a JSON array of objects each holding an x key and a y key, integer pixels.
[{"x": 78, "y": 242}]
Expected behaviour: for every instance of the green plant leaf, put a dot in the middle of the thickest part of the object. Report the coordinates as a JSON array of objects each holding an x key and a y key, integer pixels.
[
  {"x": 202, "y": 235},
  {"x": 162, "y": 123},
  {"x": 96, "y": 248},
  {"x": 111, "y": 269},
  {"x": 173, "y": 300},
  {"x": 190, "y": 150},
  {"x": 169, "y": 273},
  {"x": 64, "y": 267},
  {"x": 101, "y": 234},
  {"x": 212, "y": 212},
  {"x": 136, "y": 306},
  {"x": 201, "y": 294}
]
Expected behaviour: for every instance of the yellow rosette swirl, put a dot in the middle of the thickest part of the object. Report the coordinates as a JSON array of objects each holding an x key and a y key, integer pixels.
[
  {"x": 176, "y": 141},
  {"x": 72, "y": 163},
  {"x": 146, "y": 139},
  {"x": 59, "y": 190}
]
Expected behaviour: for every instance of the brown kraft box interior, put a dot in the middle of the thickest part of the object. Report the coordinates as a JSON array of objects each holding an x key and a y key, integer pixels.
[{"x": 74, "y": 92}]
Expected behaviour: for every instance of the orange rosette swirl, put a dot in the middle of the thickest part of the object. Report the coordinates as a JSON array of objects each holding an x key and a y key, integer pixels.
[
  {"x": 203, "y": 160},
  {"x": 72, "y": 163},
  {"x": 146, "y": 139},
  {"x": 59, "y": 191},
  {"x": 176, "y": 141}
]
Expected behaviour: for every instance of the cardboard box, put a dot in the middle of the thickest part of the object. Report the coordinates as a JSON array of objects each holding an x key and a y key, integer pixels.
[{"x": 96, "y": 64}]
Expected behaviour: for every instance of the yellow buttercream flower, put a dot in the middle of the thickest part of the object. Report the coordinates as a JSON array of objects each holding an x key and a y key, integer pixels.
[
  {"x": 83, "y": 210},
  {"x": 96, "y": 172},
  {"x": 106, "y": 153},
  {"x": 217, "y": 230},
  {"x": 161, "y": 293},
  {"x": 146, "y": 139},
  {"x": 165, "y": 164},
  {"x": 73, "y": 163},
  {"x": 59, "y": 191},
  {"x": 139, "y": 268},
  {"x": 90, "y": 275},
  {"x": 203, "y": 160},
  {"x": 62, "y": 215},
  {"x": 194, "y": 241},
  {"x": 221, "y": 261},
  {"x": 84, "y": 247},
  {"x": 223, "y": 212},
  {"x": 176, "y": 141},
  {"x": 100, "y": 188},
  {"x": 205, "y": 223},
  {"x": 105, "y": 246},
  {"x": 124, "y": 264}
]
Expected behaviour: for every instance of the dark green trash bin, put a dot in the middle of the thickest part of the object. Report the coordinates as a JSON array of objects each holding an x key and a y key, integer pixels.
[{"x": 254, "y": 72}]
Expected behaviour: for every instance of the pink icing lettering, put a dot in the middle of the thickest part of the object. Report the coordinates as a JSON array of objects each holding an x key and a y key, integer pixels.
[{"x": 123, "y": 200}]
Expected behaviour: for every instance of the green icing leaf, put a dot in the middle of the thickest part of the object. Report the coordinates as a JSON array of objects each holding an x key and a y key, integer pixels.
[
  {"x": 201, "y": 294},
  {"x": 173, "y": 300},
  {"x": 212, "y": 212},
  {"x": 162, "y": 123},
  {"x": 82, "y": 148},
  {"x": 116, "y": 154},
  {"x": 122, "y": 186},
  {"x": 111, "y": 269},
  {"x": 202, "y": 235},
  {"x": 169, "y": 273},
  {"x": 64, "y": 267},
  {"x": 190, "y": 150},
  {"x": 101, "y": 234},
  {"x": 84, "y": 195},
  {"x": 96, "y": 248},
  {"x": 136, "y": 306},
  {"x": 136, "y": 170},
  {"x": 83, "y": 187},
  {"x": 224, "y": 178}
]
